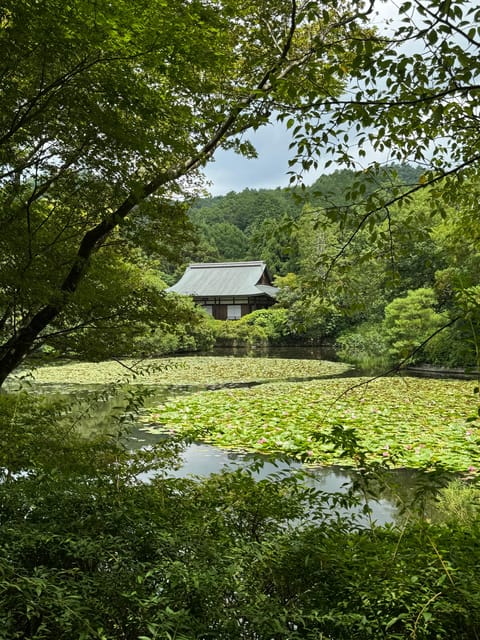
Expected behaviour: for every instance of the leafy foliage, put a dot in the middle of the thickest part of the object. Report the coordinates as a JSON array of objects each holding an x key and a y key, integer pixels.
[
  {"x": 410, "y": 321},
  {"x": 99, "y": 542},
  {"x": 365, "y": 345},
  {"x": 401, "y": 97},
  {"x": 107, "y": 556},
  {"x": 410, "y": 97},
  {"x": 260, "y": 327},
  {"x": 103, "y": 131},
  {"x": 398, "y": 420}
]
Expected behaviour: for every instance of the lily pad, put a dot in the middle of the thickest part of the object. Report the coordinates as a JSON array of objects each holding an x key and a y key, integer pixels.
[
  {"x": 197, "y": 371},
  {"x": 401, "y": 421}
]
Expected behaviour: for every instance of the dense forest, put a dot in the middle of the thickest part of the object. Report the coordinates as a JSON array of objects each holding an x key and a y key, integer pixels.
[
  {"x": 265, "y": 224},
  {"x": 376, "y": 295}
]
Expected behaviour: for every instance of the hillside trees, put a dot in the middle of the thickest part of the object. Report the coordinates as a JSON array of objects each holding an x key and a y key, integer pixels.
[
  {"x": 415, "y": 99},
  {"x": 116, "y": 115},
  {"x": 258, "y": 227},
  {"x": 268, "y": 218}
]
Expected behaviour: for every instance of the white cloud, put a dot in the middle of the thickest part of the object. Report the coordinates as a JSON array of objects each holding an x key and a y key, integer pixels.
[{"x": 231, "y": 172}]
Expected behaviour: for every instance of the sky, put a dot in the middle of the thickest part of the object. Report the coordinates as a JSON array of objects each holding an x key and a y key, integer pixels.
[{"x": 230, "y": 172}]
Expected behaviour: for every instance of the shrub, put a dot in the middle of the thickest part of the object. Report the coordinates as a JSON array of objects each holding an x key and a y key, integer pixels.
[
  {"x": 98, "y": 559},
  {"x": 458, "y": 504},
  {"x": 261, "y": 327},
  {"x": 90, "y": 551},
  {"x": 157, "y": 342},
  {"x": 237, "y": 333},
  {"x": 411, "y": 320},
  {"x": 273, "y": 321},
  {"x": 452, "y": 347},
  {"x": 365, "y": 346}
]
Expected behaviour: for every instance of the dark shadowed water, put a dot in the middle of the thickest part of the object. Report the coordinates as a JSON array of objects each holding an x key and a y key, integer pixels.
[
  {"x": 301, "y": 352},
  {"x": 201, "y": 460}
]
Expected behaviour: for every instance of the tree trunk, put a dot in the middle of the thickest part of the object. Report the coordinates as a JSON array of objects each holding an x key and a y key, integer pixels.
[
  {"x": 13, "y": 352},
  {"x": 19, "y": 346}
]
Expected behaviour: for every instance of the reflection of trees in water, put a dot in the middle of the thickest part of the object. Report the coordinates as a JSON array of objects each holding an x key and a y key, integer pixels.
[
  {"x": 391, "y": 494},
  {"x": 412, "y": 492},
  {"x": 298, "y": 351},
  {"x": 387, "y": 494}
]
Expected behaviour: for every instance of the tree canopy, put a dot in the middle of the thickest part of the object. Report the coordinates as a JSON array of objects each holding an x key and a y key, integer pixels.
[
  {"x": 115, "y": 115},
  {"x": 412, "y": 96}
]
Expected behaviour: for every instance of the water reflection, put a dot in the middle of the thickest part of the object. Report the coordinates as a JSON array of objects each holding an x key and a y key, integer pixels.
[
  {"x": 297, "y": 351},
  {"x": 201, "y": 460}
]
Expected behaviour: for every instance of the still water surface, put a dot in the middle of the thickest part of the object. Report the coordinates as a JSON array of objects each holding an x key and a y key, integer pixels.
[{"x": 201, "y": 460}]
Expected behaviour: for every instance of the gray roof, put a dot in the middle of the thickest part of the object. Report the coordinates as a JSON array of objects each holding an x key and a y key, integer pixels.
[{"x": 213, "y": 279}]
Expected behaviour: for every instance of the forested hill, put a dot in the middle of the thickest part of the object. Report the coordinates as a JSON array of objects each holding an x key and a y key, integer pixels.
[{"x": 257, "y": 224}]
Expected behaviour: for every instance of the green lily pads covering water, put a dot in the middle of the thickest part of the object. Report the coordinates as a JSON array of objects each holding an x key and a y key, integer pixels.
[
  {"x": 197, "y": 370},
  {"x": 404, "y": 421}
]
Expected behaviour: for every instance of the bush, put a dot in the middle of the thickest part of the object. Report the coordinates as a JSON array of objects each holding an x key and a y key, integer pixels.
[
  {"x": 236, "y": 333},
  {"x": 452, "y": 347},
  {"x": 273, "y": 321},
  {"x": 121, "y": 560},
  {"x": 93, "y": 552},
  {"x": 365, "y": 346},
  {"x": 261, "y": 327},
  {"x": 158, "y": 342},
  {"x": 458, "y": 504},
  {"x": 408, "y": 322},
  {"x": 411, "y": 320}
]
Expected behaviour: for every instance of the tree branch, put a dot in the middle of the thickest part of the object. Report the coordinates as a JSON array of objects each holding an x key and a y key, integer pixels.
[{"x": 391, "y": 202}]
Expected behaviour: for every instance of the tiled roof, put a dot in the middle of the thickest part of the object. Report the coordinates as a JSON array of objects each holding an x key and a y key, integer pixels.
[{"x": 213, "y": 279}]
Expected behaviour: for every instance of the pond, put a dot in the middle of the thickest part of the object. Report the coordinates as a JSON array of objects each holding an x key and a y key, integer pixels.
[{"x": 199, "y": 459}]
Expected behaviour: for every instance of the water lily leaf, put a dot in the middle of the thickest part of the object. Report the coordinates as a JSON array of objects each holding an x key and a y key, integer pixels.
[{"x": 405, "y": 422}]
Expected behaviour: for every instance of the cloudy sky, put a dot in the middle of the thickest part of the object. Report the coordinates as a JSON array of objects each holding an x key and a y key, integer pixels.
[{"x": 231, "y": 172}]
